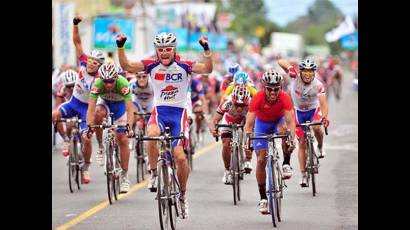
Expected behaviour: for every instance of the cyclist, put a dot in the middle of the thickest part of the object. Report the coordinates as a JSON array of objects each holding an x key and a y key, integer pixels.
[
  {"x": 308, "y": 95},
  {"x": 78, "y": 103},
  {"x": 170, "y": 81},
  {"x": 240, "y": 77},
  {"x": 63, "y": 94},
  {"x": 198, "y": 103},
  {"x": 228, "y": 78},
  {"x": 114, "y": 95},
  {"x": 232, "y": 111},
  {"x": 271, "y": 111}
]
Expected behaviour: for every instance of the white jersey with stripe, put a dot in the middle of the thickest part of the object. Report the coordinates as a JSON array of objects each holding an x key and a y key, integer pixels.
[
  {"x": 305, "y": 96},
  {"x": 170, "y": 83},
  {"x": 83, "y": 85},
  {"x": 142, "y": 96}
]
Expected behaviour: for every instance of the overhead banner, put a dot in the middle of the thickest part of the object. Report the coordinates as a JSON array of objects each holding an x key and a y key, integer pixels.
[
  {"x": 63, "y": 46},
  {"x": 107, "y": 28}
]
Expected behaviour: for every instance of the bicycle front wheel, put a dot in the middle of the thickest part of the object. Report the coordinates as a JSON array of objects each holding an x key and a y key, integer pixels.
[
  {"x": 312, "y": 167},
  {"x": 163, "y": 196},
  {"x": 278, "y": 185},
  {"x": 109, "y": 172},
  {"x": 271, "y": 190}
]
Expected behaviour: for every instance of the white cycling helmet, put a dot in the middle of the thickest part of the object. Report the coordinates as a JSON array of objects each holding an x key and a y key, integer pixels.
[
  {"x": 97, "y": 55},
  {"x": 272, "y": 77},
  {"x": 241, "y": 94},
  {"x": 307, "y": 64},
  {"x": 108, "y": 71},
  {"x": 165, "y": 39},
  {"x": 69, "y": 77}
]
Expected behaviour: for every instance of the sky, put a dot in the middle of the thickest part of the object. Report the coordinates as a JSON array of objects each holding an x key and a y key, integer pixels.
[{"x": 284, "y": 11}]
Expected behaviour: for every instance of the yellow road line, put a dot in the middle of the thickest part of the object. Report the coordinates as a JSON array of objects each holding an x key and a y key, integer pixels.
[{"x": 134, "y": 188}]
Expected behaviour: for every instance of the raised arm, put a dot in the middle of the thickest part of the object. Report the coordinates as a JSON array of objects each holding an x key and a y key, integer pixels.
[
  {"x": 207, "y": 66},
  {"x": 76, "y": 36},
  {"x": 130, "y": 66}
]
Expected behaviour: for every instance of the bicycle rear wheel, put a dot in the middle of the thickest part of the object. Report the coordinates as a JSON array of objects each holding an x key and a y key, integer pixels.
[
  {"x": 271, "y": 194},
  {"x": 163, "y": 196}
]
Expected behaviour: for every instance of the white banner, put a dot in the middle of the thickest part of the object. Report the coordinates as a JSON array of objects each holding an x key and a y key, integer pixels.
[
  {"x": 346, "y": 27},
  {"x": 63, "y": 46}
]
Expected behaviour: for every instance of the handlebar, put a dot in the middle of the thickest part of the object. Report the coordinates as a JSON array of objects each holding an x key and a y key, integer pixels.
[
  {"x": 308, "y": 124},
  {"x": 160, "y": 138},
  {"x": 68, "y": 120},
  {"x": 142, "y": 113},
  {"x": 231, "y": 125}
]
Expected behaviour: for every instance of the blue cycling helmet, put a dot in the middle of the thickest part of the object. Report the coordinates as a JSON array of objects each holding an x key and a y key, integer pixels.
[
  {"x": 233, "y": 68},
  {"x": 240, "y": 78}
]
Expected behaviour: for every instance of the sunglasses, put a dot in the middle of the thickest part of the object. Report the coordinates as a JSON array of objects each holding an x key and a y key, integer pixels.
[
  {"x": 109, "y": 81},
  {"x": 69, "y": 86},
  {"x": 143, "y": 76},
  {"x": 168, "y": 49},
  {"x": 274, "y": 89}
]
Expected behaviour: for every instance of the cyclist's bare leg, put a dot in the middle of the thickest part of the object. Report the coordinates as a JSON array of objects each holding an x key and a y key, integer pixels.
[
  {"x": 153, "y": 131},
  {"x": 302, "y": 155},
  {"x": 198, "y": 117},
  {"x": 260, "y": 167},
  {"x": 182, "y": 167},
  {"x": 282, "y": 130},
  {"x": 87, "y": 149},
  {"x": 69, "y": 126},
  {"x": 226, "y": 152},
  {"x": 318, "y": 134},
  {"x": 122, "y": 140},
  {"x": 60, "y": 127},
  {"x": 100, "y": 114}
]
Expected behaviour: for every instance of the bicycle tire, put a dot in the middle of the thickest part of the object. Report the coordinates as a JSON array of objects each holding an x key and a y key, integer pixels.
[
  {"x": 270, "y": 190},
  {"x": 233, "y": 174},
  {"x": 162, "y": 194},
  {"x": 278, "y": 192},
  {"x": 173, "y": 202},
  {"x": 238, "y": 173},
  {"x": 70, "y": 174},
  {"x": 311, "y": 167},
  {"x": 77, "y": 162},
  {"x": 109, "y": 169},
  {"x": 140, "y": 169},
  {"x": 115, "y": 176}
]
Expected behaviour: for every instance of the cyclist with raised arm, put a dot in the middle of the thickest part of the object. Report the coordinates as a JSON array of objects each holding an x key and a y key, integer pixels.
[
  {"x": 170, "y": 81},
  {"x": 114, "y": 95},
  {"x": 270, "y": 111},
  {"x": 228, "y": 78},
  {"x": 231, "y": 111},
  {"x": 63, "y": 94},
  {"x": 308, "y": 95},
  {"x": 78, "y": 103}
]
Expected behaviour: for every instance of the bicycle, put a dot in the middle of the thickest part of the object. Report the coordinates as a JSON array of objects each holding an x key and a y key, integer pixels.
[
  {"x": 139, "y": 148},
  {"x": 312, "y": 161},
  {"x": 112, "y": 168},
  {"x": 237, "y": 158},
  {"x": 168, "y": 187},
  {"x": 75, "y": 159},
  {"x": 275, "y": 180}
]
